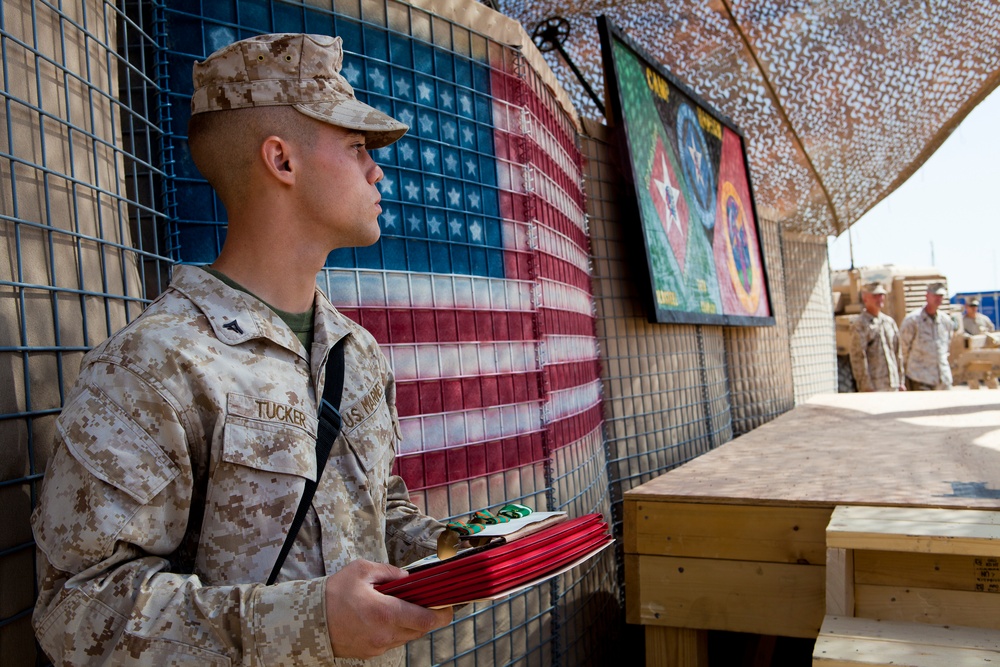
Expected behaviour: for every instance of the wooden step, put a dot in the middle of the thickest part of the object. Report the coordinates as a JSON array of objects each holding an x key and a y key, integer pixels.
[
  {"x": 847, "y": 641},
  {"x": 912, "y": 564},
  {"x": 915, "y": 530}
]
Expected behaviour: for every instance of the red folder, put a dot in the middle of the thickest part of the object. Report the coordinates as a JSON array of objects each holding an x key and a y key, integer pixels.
[{"x": 503, "y": 567}]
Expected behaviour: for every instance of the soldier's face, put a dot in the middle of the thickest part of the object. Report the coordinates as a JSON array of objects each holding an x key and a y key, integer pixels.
[
  {"x": 341, "y": 201},
  {"x": 873, "y": 302}
]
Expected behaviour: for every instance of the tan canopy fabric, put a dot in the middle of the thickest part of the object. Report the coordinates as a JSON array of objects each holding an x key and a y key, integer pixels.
[{"x": 841, "y": 101}]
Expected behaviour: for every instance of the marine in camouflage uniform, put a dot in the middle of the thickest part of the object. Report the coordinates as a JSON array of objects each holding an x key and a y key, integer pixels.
[
  {"x": 875, "y": 350},
  {"x": 181, "y": 457},
  {"x": 973, "y": 321},
  {"x": 925, "y": 336}
]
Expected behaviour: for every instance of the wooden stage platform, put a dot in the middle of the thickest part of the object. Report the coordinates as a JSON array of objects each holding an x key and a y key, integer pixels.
[{"x": 736, "y": 539}]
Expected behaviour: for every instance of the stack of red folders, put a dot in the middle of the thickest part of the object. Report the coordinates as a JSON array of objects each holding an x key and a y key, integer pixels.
[{"x": 503, "y": 567}]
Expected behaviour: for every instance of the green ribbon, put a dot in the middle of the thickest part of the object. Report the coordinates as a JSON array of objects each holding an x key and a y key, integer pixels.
[{"x": 456, "y": 531}]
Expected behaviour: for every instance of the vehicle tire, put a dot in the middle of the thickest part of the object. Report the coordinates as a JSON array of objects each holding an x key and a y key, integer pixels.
[{"x": 845, "y": 376}]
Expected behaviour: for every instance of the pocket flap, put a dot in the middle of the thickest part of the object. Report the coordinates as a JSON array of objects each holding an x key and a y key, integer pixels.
[
  {"x": 268, "y": 445},
  {"x": 114, "y": 448}
]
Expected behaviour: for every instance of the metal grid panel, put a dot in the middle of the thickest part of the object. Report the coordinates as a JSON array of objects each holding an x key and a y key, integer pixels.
[
  {"x": 759, "y": 358},
  {"x": 478, "y": 290},
  {"x": 666, "y": 395},
  {"x": 589, "y": 597},
  {"x": 68, "y": 181},
  {"x": 810, "y": 314},
  {"x": 672, "y": 390},
  {"x": 665, "y": 388}
]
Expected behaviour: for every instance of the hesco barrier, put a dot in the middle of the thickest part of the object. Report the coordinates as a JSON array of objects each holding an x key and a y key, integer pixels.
[
  {"x": 759, "y": 358},
  {"x": 810, "y": 307},
  {"x": 77, "y": 211},
  {"x": 501, "y": 290}
]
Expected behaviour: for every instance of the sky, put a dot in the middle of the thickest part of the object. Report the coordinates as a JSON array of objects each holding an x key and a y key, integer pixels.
[{"x": 946, "y": 215}]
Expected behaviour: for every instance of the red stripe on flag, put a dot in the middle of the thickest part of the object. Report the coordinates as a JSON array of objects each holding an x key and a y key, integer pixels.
[
  {"x": 543, "y": 112},
  {"x": 427, "y": 325},
  {"x": 572, "y": 374},
  {"x": 451, "y": 394},
  {"x": 569, "y": 430},
  {"x": 563, "y": 322},
  {"x": 552, "y": 217},
  {"x": 541, "y": 160},
  {"x": 446, "y": 466},
  {"x": 561, "y": 270}
]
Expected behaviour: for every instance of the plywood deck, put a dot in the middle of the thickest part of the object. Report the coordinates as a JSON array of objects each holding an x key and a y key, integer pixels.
[
  {"x": 924, "y": 449},
  {"x": 736, "y": 539}
]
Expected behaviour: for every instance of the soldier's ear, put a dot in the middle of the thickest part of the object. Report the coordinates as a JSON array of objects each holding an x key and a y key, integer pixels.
[{"x": 278, "y": 157}]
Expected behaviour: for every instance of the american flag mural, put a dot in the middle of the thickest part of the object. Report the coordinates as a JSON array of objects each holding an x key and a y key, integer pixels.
[{"x": 479, "y": 288}]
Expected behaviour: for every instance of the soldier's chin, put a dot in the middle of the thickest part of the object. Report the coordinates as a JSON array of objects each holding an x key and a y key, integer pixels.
[{"x": 377, "y": 234}]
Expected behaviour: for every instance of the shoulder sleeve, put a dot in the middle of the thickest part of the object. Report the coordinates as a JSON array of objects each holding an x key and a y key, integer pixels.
[
  {"x": 907, "y": 332},
  {"x": 114, "y": 508},
  {"x": 859, "y": 360}
]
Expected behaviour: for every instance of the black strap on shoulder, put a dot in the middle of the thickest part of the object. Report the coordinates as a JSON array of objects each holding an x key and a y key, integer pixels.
[{"x": 326, "y": 433}]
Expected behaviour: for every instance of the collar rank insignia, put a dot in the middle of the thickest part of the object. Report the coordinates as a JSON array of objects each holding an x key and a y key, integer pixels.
[{"x": 233, "y": 326}]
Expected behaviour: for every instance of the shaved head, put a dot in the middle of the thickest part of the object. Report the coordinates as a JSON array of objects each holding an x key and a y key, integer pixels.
[{"x": 225, "y": 144}]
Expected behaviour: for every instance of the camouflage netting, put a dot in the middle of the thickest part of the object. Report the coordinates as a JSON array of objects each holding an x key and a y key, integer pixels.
[{"x": 840, "y": 101}]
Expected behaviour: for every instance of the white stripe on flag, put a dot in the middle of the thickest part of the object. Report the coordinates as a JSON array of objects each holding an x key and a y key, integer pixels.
[
  {"x": 435, "y": 361},
  {"x": 422, "y": 433}
]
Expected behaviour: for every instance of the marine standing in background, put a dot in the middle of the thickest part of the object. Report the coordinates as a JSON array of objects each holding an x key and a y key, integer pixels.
[
  {"x": 975, "y": 322},
  {"x": 926, "y": 336},
  {"x": 876, "y": 357}
]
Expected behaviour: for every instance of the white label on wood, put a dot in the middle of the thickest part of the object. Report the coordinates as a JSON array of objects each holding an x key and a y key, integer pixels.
[{"x": 987, "y": 574}]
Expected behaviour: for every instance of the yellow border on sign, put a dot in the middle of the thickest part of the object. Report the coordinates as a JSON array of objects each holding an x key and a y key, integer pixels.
[{"x": 749, "y": 299}]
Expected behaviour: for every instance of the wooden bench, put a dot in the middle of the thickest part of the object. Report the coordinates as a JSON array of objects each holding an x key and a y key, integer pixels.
[{"x": 911, "y": 586}]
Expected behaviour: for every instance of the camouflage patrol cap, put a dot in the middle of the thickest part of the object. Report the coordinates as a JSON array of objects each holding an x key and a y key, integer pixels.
[
  {"x": 937, "y": 288},
  {"x": 296, "y": 70},
  {"x": 874, "y": 288}
]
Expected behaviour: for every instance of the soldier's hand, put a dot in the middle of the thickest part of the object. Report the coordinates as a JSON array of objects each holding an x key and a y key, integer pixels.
[{"x": 363, "y": 623}]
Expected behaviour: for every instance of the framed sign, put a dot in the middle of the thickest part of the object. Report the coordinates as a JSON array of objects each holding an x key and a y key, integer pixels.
[{"x": 695, "y": 207}]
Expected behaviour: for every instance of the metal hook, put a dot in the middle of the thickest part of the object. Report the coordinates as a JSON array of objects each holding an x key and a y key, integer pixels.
[{"x": 550, "y": 34}]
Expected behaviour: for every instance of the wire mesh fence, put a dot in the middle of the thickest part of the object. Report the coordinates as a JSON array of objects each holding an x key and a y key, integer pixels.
[
  {"x": 810, "y": 307},
  {"x": 501, "y": 290},
  {"x": 759, "y": 359},
  {"x": 665, "y": 387},
  {"x": 78, "y": 210}
]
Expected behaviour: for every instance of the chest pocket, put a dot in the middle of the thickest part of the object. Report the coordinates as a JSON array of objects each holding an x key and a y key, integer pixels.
[
  {"x": 269, "y": 448},
  {"x": 267, "y": 455},
  {"x": 876, "y": 334}
]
